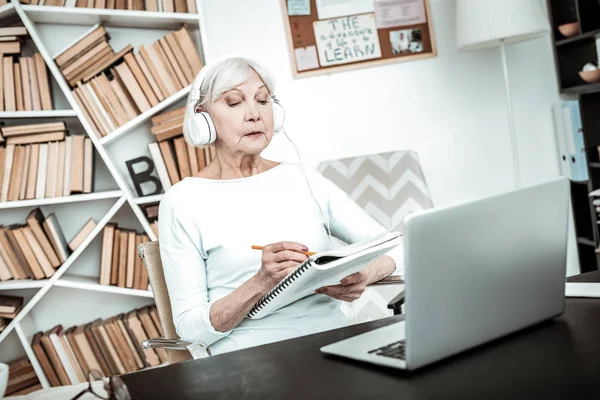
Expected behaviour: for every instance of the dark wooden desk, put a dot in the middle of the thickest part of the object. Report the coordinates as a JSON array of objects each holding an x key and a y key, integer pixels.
[{"x": 558, "y": 359}]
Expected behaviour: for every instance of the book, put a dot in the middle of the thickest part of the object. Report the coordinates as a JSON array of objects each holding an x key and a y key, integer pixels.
[
  {"x": 44, "y": 360},
  {"x": 21, "y": 377},
  {"x": 82, "y": 234},
  {"x": 323, "y": 269},
  {"x": 10, "y": 306},
  {"x": 57, "y": 238}
]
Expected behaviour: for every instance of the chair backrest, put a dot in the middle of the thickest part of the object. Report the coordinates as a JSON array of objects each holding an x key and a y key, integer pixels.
[
  {"x": 388, "y": 186},
  {"x": 150, "y": 253}
]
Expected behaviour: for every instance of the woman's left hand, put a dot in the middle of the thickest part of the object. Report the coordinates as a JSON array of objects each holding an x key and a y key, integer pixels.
[
  {"x": 353, "y": 286},
  {"x": 349, "y": 289}
]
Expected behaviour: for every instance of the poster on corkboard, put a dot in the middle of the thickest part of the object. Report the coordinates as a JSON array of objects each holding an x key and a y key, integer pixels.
[{"x": 327, "y": 36}]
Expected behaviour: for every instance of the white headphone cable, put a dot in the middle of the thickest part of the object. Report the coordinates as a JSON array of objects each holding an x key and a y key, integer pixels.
[{"x": 310, "y": 188}]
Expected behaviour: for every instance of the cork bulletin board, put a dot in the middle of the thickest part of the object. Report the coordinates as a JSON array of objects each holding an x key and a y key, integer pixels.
[{"x": 334, "y": 35}]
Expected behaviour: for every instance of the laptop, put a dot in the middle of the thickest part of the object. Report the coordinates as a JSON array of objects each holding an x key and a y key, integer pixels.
[{"x": 474, "y": 272}]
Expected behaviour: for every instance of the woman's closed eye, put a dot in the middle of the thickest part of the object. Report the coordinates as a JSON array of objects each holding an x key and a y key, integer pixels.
[{"x": 234, "y": 104}]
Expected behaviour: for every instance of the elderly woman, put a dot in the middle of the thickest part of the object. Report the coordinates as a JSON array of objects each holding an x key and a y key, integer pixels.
[{"x": 209, "y": 222}]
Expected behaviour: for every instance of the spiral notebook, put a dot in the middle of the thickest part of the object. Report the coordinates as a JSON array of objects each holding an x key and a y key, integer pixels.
[{"x": 323, "y": 269}]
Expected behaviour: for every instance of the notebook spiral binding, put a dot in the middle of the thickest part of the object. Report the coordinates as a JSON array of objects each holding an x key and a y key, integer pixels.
[{"x": 278, "y": 289}]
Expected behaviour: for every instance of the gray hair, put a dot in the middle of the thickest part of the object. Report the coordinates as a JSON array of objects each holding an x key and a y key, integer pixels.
[{"x": 228, "y": 73}]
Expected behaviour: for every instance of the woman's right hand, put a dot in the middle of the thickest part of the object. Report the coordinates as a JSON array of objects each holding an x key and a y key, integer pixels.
[{"x": 278, "y": 260}]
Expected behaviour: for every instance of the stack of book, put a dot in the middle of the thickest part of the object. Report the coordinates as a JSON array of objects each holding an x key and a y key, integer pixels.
[
  {"x": 22, "y": 378},
  {"x": 12, "y": 39},
  {"x": 111, "y": 346},
  {"x": 33, "y": 250},
  {"x": 179, "y": 6},
  {"x": 174, "y": 159},
  {"x": 119, "y": 262},
  {"x": 41, "y": 161},
  {"x": 9, "y": 308},
  {"x": 24, "y": 84},
  {"x": 112, "y": 88}
]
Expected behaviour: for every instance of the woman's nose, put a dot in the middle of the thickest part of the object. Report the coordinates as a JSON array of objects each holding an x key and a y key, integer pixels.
[{"x": 252, "y": 113}]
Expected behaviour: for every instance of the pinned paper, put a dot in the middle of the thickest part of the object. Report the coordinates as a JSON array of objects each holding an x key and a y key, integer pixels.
[
  {"x": 306, "y": 58},
  {"x": 298, "y": 7},
  {"x": 340, "y": 8},
  {"x": 390, "y": 13},
  {"x": 406, "y": 41},
  {"x": 348, "y": 39}
]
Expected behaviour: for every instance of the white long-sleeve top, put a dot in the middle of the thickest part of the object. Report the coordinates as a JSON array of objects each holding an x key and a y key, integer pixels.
[{"x": 207, "y": 228}]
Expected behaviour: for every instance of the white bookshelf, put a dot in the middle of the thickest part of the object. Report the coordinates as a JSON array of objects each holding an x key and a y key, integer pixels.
[
  {"x": 121, "y": 18},
  {"x": 149, "y": 199},
  {"x": 72, "y": 295},
  {"x": 76, "y": 198},
  {"x": 38, "y": 114}
]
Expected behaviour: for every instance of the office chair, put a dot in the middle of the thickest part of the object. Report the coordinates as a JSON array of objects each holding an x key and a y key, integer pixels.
[
  {"x": 177, "y": 349},
  {"x": 388, "y": 186}
]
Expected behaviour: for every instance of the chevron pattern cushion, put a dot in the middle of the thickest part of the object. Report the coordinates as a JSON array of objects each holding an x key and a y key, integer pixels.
[{"x": 388, "y": 186}]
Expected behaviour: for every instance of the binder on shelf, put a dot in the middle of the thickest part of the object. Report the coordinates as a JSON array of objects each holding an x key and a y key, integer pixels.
[
  {"x": 574, "y": 140},
  {"x": 562, "y": 152}
]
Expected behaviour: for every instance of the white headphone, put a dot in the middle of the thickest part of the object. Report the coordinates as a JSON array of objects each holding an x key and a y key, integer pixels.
[{"x": 198, "y": 127}]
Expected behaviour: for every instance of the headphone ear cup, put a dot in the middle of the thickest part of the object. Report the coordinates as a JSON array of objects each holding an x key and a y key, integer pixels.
[
  {"x": 278, "y": 117},
  {"x": 199, "y": 128}
]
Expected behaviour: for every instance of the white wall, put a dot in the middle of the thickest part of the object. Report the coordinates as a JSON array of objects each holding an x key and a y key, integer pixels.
[{"x": 451, "y": 109}]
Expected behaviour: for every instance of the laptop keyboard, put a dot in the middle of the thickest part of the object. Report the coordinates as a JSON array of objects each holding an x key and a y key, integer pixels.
[{"x": 393, "y": 350}]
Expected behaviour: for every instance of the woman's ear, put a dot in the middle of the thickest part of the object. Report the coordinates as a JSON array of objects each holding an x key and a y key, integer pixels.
[{"x": 198, "y": 109}]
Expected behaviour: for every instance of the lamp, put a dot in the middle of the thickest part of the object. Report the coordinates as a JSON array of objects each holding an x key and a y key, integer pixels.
[{"x": 482, "y": 24}]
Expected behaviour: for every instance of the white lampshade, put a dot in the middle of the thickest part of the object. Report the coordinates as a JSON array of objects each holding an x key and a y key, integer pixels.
[{"x": 483, "y": 23}]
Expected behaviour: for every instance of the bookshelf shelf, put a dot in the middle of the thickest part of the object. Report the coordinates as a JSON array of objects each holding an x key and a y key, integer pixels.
[
  {"x": 7, "y": 10},
  {"x": 91, "y": 283},
  {"x": 108, "y": 17},
  {"x": 586, "y": 241},
  {"x": 62, "y": 200},
  {"x": 587, "y": 88},
  {"x": 38, "y": 114},
  {"x": 586, "y": 36},
  {"x": 148, "y": 199},
  {"x": 144, "y": 116},
  {"x": 23, "y": 284}
]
